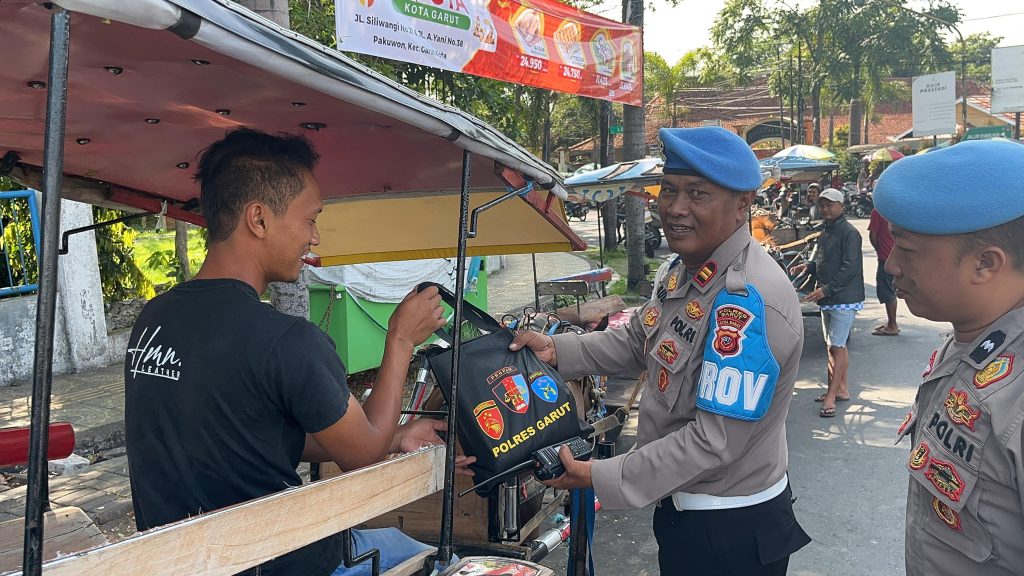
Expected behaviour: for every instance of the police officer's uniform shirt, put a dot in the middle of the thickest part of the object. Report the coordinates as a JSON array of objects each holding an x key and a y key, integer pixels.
[
  {"x": 965, "y": 506},
  {"x": 721, "y": 350}
]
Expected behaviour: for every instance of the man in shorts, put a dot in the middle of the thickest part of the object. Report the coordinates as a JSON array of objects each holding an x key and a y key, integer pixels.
[{"x": 839, "y": 291}]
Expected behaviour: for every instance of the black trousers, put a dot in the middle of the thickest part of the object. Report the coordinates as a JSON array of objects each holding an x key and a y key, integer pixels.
[{"x": 751, "y": 541}]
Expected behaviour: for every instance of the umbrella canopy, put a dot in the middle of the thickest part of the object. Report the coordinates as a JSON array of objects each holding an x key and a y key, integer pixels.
[
  {"x": 804, "y": 151},
  {"x": 154, "y": 82},
  {"x": 612, "y": 181},
  {"x": 791, "y": 164},
  {"x": 886, "y": 155}
]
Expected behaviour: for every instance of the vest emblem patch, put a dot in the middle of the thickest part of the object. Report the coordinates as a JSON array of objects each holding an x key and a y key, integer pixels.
[
  {"x": 960, "y": 412},
  {"x": 931, "y": 364},
  {"x": 667, "y": 351},
  {"x": 906, "y": 422},
  {"x": 662, "y": 379},
  {"x": 673, "y": 281},
  {"x": 944, "y": 477},
  {"x": 994, "y": 372}
]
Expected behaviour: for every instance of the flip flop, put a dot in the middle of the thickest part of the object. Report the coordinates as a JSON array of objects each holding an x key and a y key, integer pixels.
[
  {"x": 883, "y": 332},
  {"x": 838, "y": 399},
  {"x": 827, "y": 412}
]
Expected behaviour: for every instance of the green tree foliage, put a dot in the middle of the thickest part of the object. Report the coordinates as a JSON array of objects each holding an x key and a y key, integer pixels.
[
  {"x": 700, "y": 67},
  {"x": 17, "y": 251},
  {"x": 119, "y": 274},
  {"x": 979, "y": 55}
]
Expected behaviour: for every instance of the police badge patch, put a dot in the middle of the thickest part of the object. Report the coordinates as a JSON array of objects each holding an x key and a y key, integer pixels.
[
  {"x": 931, "y": 364},
  {"x": 651, "y": 316},
  {"x": 948, "y": 516},
  {"x": 673, "y": 281},
  {"x": 994, "y": 372},
  {"x": 543, "y": 386},
  {"x": 662, "y": 379},
  {"x": 693, "y": 310},
  {"x": 959, "y": 411},
  {"x": 730, "y": 322},
  {"x": 511, "y": 390},
  {"x": 919, "y": 457},
  {"x": 667, "y": 351},
  {"x": 944, "y": 477}
]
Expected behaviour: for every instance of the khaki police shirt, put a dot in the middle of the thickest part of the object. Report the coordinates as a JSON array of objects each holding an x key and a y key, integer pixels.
[
  {"x": 965, "y": 504},
  {"x": 681, "y": 448}
]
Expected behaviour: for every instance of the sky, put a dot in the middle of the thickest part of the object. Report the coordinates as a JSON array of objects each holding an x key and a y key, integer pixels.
[{"x": 673, "y": 31}]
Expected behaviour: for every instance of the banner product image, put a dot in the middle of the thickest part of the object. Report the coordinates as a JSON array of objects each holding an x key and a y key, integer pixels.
[{"x": 539, "y": 43}]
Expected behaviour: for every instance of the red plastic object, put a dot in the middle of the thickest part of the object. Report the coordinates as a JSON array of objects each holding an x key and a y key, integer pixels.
[{"x": 14, "y": 443}]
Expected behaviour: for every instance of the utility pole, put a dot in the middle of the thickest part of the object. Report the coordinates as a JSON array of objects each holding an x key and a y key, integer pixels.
[
  {"x": 633, "y": 149},
  {"x": 609, "y": 209}
]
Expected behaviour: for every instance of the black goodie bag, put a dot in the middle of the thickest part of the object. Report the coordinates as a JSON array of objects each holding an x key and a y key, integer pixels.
[{"x": 511, "y": 404}]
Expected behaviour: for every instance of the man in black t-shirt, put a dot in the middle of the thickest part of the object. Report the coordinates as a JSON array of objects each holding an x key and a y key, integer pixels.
[{"x": 226, "y": 395}]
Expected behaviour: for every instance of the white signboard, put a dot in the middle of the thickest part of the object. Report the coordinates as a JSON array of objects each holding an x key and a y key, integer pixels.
[
  {"x": 1008, "y": 79},
  {"x": 934, "y": 104}
]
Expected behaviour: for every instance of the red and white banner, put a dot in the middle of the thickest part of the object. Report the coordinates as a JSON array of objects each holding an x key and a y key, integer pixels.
[{"x": 540, "y": 43}]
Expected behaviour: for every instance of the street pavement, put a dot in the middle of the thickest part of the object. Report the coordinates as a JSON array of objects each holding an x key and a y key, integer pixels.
[{"x": 848, "y": 476}]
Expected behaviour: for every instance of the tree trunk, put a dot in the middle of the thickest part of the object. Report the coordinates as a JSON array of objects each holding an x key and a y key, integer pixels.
[
  {"x": 181, "y": 249},
  {"x": 855, "y": 121},
  {"x": 290, "y": 298},
  {"x": 633, "y": 149},
  {"x": 608, "y": 209},
  {"x": 816, "y": 112}
]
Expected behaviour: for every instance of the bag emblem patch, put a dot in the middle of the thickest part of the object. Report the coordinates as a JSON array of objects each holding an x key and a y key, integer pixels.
[
  {"x": 489, "y": 418},
  {"x": 693, "y": 310},
  {"x": 667, "y": 351},
  {"x": 994, "y": 372},
  {"x": 511, "y": 390},
  {"x": 662, "y": 379},
  {"x": 651, "y": 316},
  {"x": 944, "y": 477},
  {"x": 948, "y": 516},
  {"x": 960, "y": 412},
  {"x": 706, "y": 273},
  {"x": 919, "y": 457},
  {"x": 544, "y": 387},
  {"x": 730, "y": 322}
]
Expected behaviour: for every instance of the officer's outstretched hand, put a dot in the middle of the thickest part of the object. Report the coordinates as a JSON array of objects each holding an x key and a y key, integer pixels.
[
  {"x": 577, "y": 474},
  {"x": 417, "y": 316},
  {"x": 541, "y": 344}
]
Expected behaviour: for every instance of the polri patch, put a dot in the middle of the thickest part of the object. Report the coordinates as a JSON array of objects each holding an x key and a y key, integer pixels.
[
  {"x": 919, "y": 457},
  {"x": 948, "y": 516},
  {"x": 488, "y": 417},
  {"x": 959, "y": 411},
  {"x": 945, "y": 478},
  {"x": 662, "y": 379},
  {"x": 693, "y": 310},
  {"x": 994, "y": 372},
  {"x": 706, "y": 273}
]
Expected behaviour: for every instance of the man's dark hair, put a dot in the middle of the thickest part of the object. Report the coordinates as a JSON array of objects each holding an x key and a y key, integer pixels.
[
  {"x": 1008, "y": 236},
  {"x": 250, "y": 166}
]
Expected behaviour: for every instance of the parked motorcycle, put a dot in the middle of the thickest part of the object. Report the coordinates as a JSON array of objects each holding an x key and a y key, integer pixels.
[
  {"x": 652, "y": 225},
  {"x": 577, "y": 210},
  {"x": 862, "y": 204}
]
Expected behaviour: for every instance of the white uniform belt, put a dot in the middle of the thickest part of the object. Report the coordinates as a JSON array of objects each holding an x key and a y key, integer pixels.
[{"x": 686, "y": 501}]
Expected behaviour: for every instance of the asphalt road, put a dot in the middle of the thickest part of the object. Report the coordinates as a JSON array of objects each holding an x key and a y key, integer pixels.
[{"x": 846, "y": 472}]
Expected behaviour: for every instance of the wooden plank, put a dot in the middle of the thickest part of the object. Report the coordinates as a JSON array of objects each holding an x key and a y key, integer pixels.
[
  {"x": 563, "y": 288},
  {"x": 411, "y": 566},
  {"x": 230, "y": 540},
  {"x": 67, "y": 530},
  {"x": 592, "y": 310}
]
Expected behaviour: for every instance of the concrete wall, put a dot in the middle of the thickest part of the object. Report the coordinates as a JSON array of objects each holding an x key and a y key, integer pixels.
[{"x": 80, "y": 329}]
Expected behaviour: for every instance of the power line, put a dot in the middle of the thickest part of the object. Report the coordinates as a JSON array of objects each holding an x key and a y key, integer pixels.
[{"x": 994, "y": 16}]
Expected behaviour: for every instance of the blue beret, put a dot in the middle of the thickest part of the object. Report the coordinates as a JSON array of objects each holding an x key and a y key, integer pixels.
[
  {"x": 967, "y": 187},
  {"x": 714, "y": 153}
]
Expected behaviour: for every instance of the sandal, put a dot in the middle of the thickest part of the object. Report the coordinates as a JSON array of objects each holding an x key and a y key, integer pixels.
[
  {"x": 827, "y": 412},
  {"x": 838, "y": 399},
  {"x": 881, "y": 331}
]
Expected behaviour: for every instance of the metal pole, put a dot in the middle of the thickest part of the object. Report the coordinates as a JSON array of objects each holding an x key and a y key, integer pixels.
[
  {"x": 1016, "y": 126},
  {"x": 444, "y": 550},
  {"x": 38, "y": 497},
  {"x": 536, "y": 296}
]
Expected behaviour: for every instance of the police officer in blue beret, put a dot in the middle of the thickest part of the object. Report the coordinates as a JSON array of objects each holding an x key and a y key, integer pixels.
[
  {"x": 958, "y": 219},
  {"x": 720, "y": 342}
]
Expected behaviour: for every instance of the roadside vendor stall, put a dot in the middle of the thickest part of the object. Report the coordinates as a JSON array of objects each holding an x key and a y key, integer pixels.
[{"x": 110, "y": 103}]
